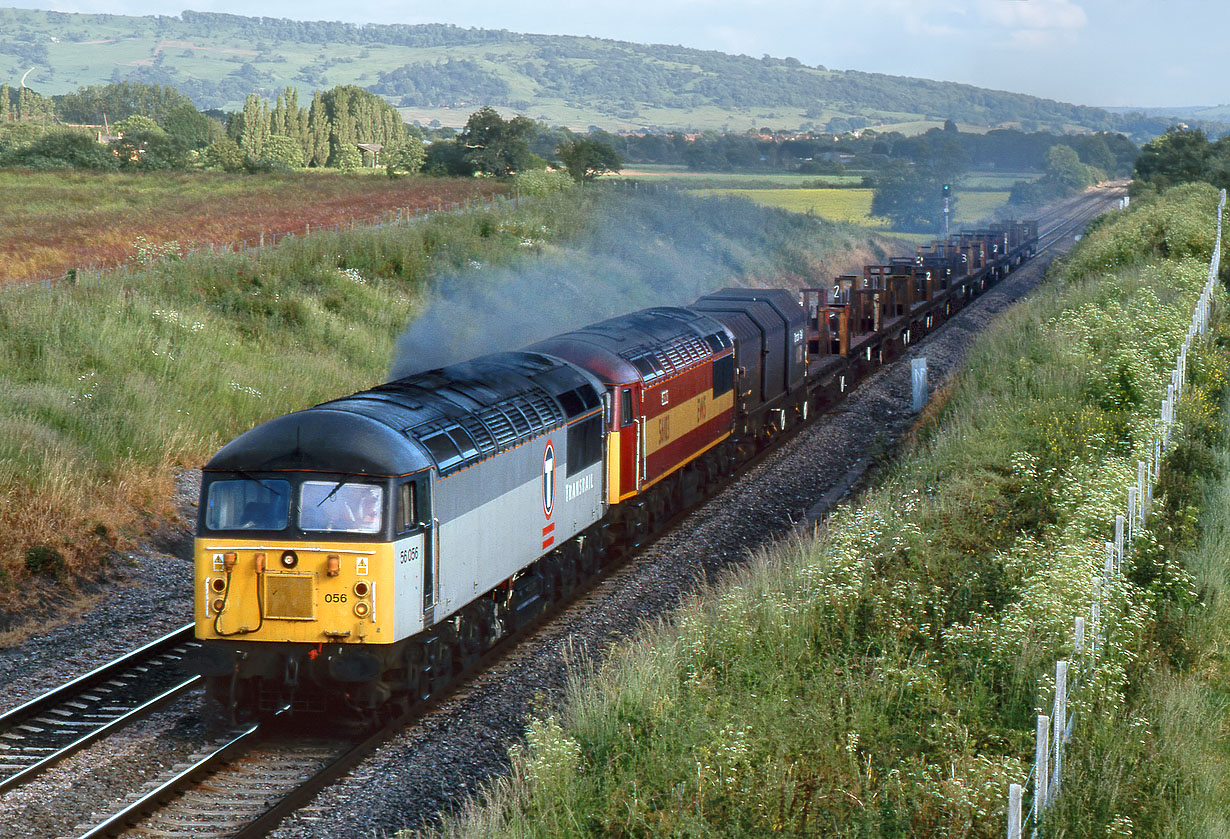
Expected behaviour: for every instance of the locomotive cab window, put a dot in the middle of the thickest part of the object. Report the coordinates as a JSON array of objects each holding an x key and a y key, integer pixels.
[
  {"x": 248, "y": 504},
  {"x": 339, "y": 507},
  {"x": 584, "y": 444},
  {"x": 723, "y": 375},
  {"x": 625, "y": 407},
  {"x": 407, "y": 507}
]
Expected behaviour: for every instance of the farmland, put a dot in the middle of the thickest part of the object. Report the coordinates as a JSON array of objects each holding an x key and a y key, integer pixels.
[
  {"x": 120, "y": 379},
  {"x": 73, "y": 220},
  {"x": 854, "y": 205}
]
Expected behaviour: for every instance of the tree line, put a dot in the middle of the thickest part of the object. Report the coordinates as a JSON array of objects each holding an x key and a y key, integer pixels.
[{"x": 156, "y": 127}]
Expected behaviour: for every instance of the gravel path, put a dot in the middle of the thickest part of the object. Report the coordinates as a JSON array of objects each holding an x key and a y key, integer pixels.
[{"x": 463, "y": 741}]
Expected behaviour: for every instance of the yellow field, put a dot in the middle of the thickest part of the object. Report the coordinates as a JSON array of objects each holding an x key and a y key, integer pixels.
[{"x": 854, "y": 205}]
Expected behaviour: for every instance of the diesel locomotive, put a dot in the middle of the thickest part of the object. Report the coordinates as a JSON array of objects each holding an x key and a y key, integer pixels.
[{"x": 357, "y": 555}]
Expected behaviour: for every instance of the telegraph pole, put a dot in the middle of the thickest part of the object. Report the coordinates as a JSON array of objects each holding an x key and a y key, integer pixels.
[{"x": 947, "y": 189}]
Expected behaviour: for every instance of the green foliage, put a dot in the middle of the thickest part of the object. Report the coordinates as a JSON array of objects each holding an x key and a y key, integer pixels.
[
  {"x": 224, "y": 154},
  {"x": 137, "y": 124},
  {"x": 1178, "y": 156},
  {"x": 912, "y": 197},
  {"x": 541, "y": 182},
  {"x": 191, "y": 127},
  {"x": 45, "y": 560},
  {"x": 149, "y": 151},
  {"x": 406, "y": 159},
  {"x": 448, "y": 158},
  {"x": 882, "y": 678},
  {"x": 586, "y": 159},
  {"x": 64, "y": 149},
  {"x": 283, "y": 151},
  {"x": 96, "y": 104},
  {"x": 495, "y": 146},
  {"x": 347, "y": 159}
]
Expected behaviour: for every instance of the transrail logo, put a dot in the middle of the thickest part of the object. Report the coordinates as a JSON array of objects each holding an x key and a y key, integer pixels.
[
  {"x": 548, "y": 480},
  {"x": 578, "y": 487}
]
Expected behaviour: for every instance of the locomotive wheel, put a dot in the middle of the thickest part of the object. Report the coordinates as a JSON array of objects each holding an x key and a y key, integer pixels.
[{"x": 470, "y": 636}]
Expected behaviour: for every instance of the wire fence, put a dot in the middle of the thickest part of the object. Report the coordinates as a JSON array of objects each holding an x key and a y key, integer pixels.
[
  {"x": 1053, "y": 731},
  {"x": 403, "y": 216}
]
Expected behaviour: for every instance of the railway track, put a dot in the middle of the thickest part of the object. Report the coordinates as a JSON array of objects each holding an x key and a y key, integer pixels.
[
  {"x": 39, "y": 734},
  {"x": 248, "y": 784}
]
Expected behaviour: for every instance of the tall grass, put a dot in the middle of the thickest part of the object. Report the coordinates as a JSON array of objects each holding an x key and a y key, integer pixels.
[
  {"x": 882, "y": 678},
  {"x": 113, "y": 383}
]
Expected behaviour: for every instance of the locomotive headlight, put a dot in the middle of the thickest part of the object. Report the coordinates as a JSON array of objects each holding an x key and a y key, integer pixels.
[
  {"x": 219, "y": 584},
  {"x": 361, "y": 609},
  {"x": 289, "y": 559},
  {"x": 360, "y": 589},
  {"x": 218, "y": 604}
]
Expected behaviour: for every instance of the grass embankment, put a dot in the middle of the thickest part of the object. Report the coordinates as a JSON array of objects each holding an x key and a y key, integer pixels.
[
  {"x": 58, "y": 221},
  {"x": 113, "y": 383},
  {"x": 882, "y": 678}
]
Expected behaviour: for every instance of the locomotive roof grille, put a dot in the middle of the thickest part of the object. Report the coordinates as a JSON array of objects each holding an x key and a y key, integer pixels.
[{"x": 500, "y": 426}]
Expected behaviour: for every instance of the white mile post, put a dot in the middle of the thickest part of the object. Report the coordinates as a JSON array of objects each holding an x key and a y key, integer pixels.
[{"x": 918, "y": 378}]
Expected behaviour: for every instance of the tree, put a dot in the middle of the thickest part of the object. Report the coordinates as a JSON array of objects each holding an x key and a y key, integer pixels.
[
  {"x": 1064, "y": 168},
  {"x": 283, "y": 152},
  {"x": 447, "y": 158},
  {"x": 137, "y": 123},
  {"x": 193, "y": 128},
  {"x": 150, "y": 150},
  {"x": 586, "y": 159},
  {"x": 255, "y": 127},
  {"x": 408, "y": 158},
  {"x": 912, "y": 197},
  {"x": 496, "y": 147},
  {"x": 1178, "y": 156},
  {"x": 348, "y": 158},
  {"x": 224, "y": 154}
]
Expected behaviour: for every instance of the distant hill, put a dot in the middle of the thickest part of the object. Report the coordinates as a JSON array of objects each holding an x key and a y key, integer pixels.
[
  {"x": 1191, "y": 114},
  {"x": 441, "y": 72}
]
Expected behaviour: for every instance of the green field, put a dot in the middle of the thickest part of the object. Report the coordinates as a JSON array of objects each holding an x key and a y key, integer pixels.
[{"x": 854, "y": 205}]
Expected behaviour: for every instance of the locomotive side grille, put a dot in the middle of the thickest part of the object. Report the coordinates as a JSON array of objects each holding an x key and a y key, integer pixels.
[{"x": 290, "y": 597}]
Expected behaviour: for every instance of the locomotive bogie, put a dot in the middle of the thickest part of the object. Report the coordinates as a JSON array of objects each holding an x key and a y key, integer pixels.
[{"x": 504, "y": 483}]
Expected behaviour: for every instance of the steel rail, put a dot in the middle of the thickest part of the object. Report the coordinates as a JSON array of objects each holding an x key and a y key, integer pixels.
[
  {"x": 351, "y": 755},
  {"x": 47, "y": 724}
]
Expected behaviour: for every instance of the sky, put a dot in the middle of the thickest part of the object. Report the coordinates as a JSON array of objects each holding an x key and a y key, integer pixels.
[{"x": 1146, "y": 53}]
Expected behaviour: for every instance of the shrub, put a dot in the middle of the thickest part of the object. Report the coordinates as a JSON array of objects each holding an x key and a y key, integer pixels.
[{"x": 61, "y": 150}]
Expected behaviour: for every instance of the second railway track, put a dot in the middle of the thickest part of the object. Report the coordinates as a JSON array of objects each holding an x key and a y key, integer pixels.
[{"x": 250, "y": 786}]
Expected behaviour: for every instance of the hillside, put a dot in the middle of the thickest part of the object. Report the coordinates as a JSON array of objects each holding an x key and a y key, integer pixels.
[{"x": 441, "y": 72}]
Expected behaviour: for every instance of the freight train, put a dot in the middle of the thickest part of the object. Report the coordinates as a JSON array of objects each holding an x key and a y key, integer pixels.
[{"x": 357, "y": 555}]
